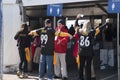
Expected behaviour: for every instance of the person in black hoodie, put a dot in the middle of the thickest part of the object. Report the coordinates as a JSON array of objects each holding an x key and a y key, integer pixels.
[{"x": 23, "y": 41}]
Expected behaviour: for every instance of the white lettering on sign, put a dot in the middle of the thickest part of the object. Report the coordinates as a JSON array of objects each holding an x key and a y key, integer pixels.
[
  {"x": 113, "y": 6},
  {"x": 58, "y": 11},
  {"x": 51, "y": 10}
]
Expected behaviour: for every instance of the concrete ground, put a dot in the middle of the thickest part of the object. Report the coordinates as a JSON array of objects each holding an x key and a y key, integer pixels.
[
  {"x": 107, "y": 74},
  {"x": 14, "y": 77}
]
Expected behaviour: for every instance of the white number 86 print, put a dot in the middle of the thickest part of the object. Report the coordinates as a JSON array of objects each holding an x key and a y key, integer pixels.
[{"x": 84, "y": 41}]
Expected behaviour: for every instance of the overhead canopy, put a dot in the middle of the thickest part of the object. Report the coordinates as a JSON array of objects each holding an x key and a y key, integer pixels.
[
  {"x": 44, "y": 2},
  {"x": 71, "y": 9}
]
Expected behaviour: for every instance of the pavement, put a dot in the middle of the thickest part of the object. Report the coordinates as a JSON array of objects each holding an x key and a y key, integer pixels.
[
  {"x": 106, "y": 74},
  {"x": 14, "y": 77}
]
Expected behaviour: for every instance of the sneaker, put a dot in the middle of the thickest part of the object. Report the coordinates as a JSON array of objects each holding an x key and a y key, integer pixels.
[
  {"x": 23, "y": 76},
  {"x": 64, "y": 78},
  {"x": 57, "y": 77},
  {"x": 18, "y": 73}
]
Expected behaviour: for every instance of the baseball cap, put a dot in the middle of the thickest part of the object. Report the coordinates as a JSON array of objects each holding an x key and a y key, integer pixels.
[
  {"x": 60, "y": 21},
  {"x": 48, "y": 21}
]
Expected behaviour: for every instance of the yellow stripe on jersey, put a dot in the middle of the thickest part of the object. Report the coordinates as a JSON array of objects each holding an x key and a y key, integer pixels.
[
  {"x": 62, "y": 34},
  {"x": 43, "y": 31},
  {"x": 97, "y": 31},
  {"x": 33, "y": 33}
]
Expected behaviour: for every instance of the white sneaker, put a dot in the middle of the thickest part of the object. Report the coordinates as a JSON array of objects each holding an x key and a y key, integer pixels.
[
  {"x": 40, "y": 78},
  {"x": 23, "y": 75},
  {"x": 18, "y": 73}
]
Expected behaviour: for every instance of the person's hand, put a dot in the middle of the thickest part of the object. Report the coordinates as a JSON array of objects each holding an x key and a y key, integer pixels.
[
  {"x": 107, "y": 20},
  {"x": 79, "y": 16},
  {"x": 59, "y": 31},
  {"x": 32, "y": 32},
  {"x": 58, "y": 42}
]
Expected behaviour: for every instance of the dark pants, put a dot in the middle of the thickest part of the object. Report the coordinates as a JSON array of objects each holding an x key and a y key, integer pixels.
[
  {"x": 85, "y": 60},
  {"x": 35, "y": 67},
  {"x": 23, "y": 61}
]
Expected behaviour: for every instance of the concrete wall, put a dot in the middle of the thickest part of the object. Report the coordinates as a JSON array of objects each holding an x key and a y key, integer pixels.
[{"x": 11, "y": 24}]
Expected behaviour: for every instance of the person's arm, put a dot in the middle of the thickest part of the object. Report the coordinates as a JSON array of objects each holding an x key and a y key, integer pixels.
[
  {"x": 77, "y": 19},
  {"x": 16, "y": 36},
  {"x": 76, "y": 22},
  {"x": 35, "y": 32},
  {"x": 62, "y": 34},
  {"x": 97, "y": 30}
]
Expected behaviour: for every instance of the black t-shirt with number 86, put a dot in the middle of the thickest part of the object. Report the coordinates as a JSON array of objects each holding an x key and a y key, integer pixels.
[{"x": 86, "y": 44}]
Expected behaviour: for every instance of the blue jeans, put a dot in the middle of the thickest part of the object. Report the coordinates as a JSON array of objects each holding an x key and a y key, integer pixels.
[{"x": 46, "y": 62}]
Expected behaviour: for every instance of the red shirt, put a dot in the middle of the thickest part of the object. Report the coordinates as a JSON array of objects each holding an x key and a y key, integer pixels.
[
  {"x": 61, "y": 42},
  {"x": 75, "y": 51}
]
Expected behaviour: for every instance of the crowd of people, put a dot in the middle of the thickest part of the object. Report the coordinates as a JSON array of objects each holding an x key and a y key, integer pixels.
[{"x": 49, "y": 48}]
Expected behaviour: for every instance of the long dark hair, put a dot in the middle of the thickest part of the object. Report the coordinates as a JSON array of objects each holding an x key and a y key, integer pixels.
[{"x": 25, "y": 28}]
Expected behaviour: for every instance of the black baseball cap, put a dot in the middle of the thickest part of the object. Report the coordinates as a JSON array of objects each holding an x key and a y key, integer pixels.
[
  {"x": 48, "y": 21},
  {"x": 60, "y": 21}
]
